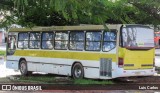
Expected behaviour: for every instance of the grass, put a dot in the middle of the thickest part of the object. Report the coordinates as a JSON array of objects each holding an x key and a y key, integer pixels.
[
  {"x": 36, "y": 79},
  {"x": 52, "y": 80},
  {"x": 2, "y": 53},
  {"x": 89, "y": 81},
  {"x": 4, "y": 80}
]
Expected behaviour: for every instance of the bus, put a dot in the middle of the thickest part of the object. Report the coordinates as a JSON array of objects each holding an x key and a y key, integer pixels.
[{"x": 85, "y": 51}]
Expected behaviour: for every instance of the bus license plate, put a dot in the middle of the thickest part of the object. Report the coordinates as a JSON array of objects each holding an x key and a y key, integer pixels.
[{"x": 137, "y": 73}]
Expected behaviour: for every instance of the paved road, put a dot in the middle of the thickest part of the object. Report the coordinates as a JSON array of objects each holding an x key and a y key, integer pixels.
[
  {"x": 4, "y": 72},
  {"x": 157, "y": 61},
  {"x": 157, "y": 51},
  {"x": 157, "y": 57},
  {"x": 3, "y": 47}
]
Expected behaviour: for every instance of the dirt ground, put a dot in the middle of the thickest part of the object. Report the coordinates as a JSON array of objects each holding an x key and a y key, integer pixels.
[
  {"x": 130, "y": 80},
  {"x": 127, "y": 85}
]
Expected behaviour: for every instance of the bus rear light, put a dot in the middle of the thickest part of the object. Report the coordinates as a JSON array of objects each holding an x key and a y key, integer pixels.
[{"x": 120, "y": 62}]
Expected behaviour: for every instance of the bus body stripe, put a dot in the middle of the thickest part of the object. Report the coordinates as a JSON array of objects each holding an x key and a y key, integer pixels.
[{"x": 65, "y": 54}]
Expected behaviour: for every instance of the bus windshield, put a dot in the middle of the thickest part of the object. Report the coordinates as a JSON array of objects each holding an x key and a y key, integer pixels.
[{"x": 137, "y": 37}]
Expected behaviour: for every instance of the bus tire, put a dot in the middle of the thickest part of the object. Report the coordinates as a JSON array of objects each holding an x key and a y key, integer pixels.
[
  {"x": 77, "y": 71},
  {"x": 23, "y": 68}
]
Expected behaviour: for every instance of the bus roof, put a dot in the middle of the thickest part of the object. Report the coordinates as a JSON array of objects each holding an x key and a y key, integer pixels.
[{"x": 62, "y": 28}]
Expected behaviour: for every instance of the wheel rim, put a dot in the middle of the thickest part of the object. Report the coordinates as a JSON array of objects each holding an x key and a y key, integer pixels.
[
  {"x": 23, "y": 67},
  {"x": 78, "y": 72}
]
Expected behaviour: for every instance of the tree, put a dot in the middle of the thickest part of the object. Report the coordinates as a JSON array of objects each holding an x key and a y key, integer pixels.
[
  {"x": 150, "y": 7},
  {"x": 5, "y": 9},
  {"x": 66, "y": 12},
  {"x": 74, "y": 12}
]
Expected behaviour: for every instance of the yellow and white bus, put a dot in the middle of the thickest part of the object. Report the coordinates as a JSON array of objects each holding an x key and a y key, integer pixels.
[{"x": 88, "y": 51}]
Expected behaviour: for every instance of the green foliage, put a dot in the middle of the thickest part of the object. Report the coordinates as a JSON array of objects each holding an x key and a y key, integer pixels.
[
  {"x": 2, "y": 53},
  {"x": 148, "y": 10},
  {"x": 74, "y": 12},
  {"x": 52, "y": 80},
  {"x": 85, "y": 81},
  {"x": 36, "y": 79}
]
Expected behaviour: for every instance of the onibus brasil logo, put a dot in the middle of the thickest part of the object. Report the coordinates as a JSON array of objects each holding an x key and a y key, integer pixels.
[{"x": 20, "y": 87}]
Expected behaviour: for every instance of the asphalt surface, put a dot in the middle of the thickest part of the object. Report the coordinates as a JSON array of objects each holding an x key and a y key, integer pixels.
[
  {"x": 157, "y": 57},
  {"x": 4, "y": 72},
  {"x": 3, "y": 46},
  {"x": 157, "y": 51}
]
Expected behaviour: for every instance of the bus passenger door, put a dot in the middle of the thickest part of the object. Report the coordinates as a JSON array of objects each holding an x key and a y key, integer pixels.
[{"x": 11, "y": 46}]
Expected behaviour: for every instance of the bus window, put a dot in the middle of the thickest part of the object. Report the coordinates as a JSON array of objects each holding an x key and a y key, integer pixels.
[
  {"x": 76, "y": 41},
  {"x": 23, "y": 40},
  {"x": 47, "y": 40},
  {"x": 93, "y": 41},
  {"x": 109, "y": 41},
  {"x": 61, "y": 40},
  {"x": 134, "y": 37},
  {"x": 34, "y": 40},
  {"x": 124, "y": 37}
]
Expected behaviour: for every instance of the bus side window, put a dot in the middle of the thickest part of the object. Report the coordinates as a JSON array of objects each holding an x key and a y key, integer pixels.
[
  {"x": 34, "y": 42},
  {"x": 93, "y": 41},
  {"x": 23, "y": 40},
  {"x": 61, "y": 40},
  {"x": 47, "y": 40},
  {"x": 109, "y": 40},
  {"x": 76, "y": 41}
]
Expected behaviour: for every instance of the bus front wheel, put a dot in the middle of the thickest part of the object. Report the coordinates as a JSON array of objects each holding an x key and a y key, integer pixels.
[
  {"x": 23, "y": 68},
  {"x": 77, "y": 71}
]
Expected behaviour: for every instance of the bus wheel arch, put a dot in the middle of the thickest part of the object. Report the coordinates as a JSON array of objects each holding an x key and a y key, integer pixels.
[
  {"x": 77, "y": 71},
  {"x": 23, "y": 67}
]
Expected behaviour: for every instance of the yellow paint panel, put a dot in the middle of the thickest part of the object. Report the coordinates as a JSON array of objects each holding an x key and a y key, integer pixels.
[
  {"x": 137, "y": 57},
  {"x": 65, "y": 54}
]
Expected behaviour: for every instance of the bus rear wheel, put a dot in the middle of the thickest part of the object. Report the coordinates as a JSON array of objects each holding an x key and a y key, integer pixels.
[
  {"x": 23, "y": 68},
  {"x": 77, "y": 71}
]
